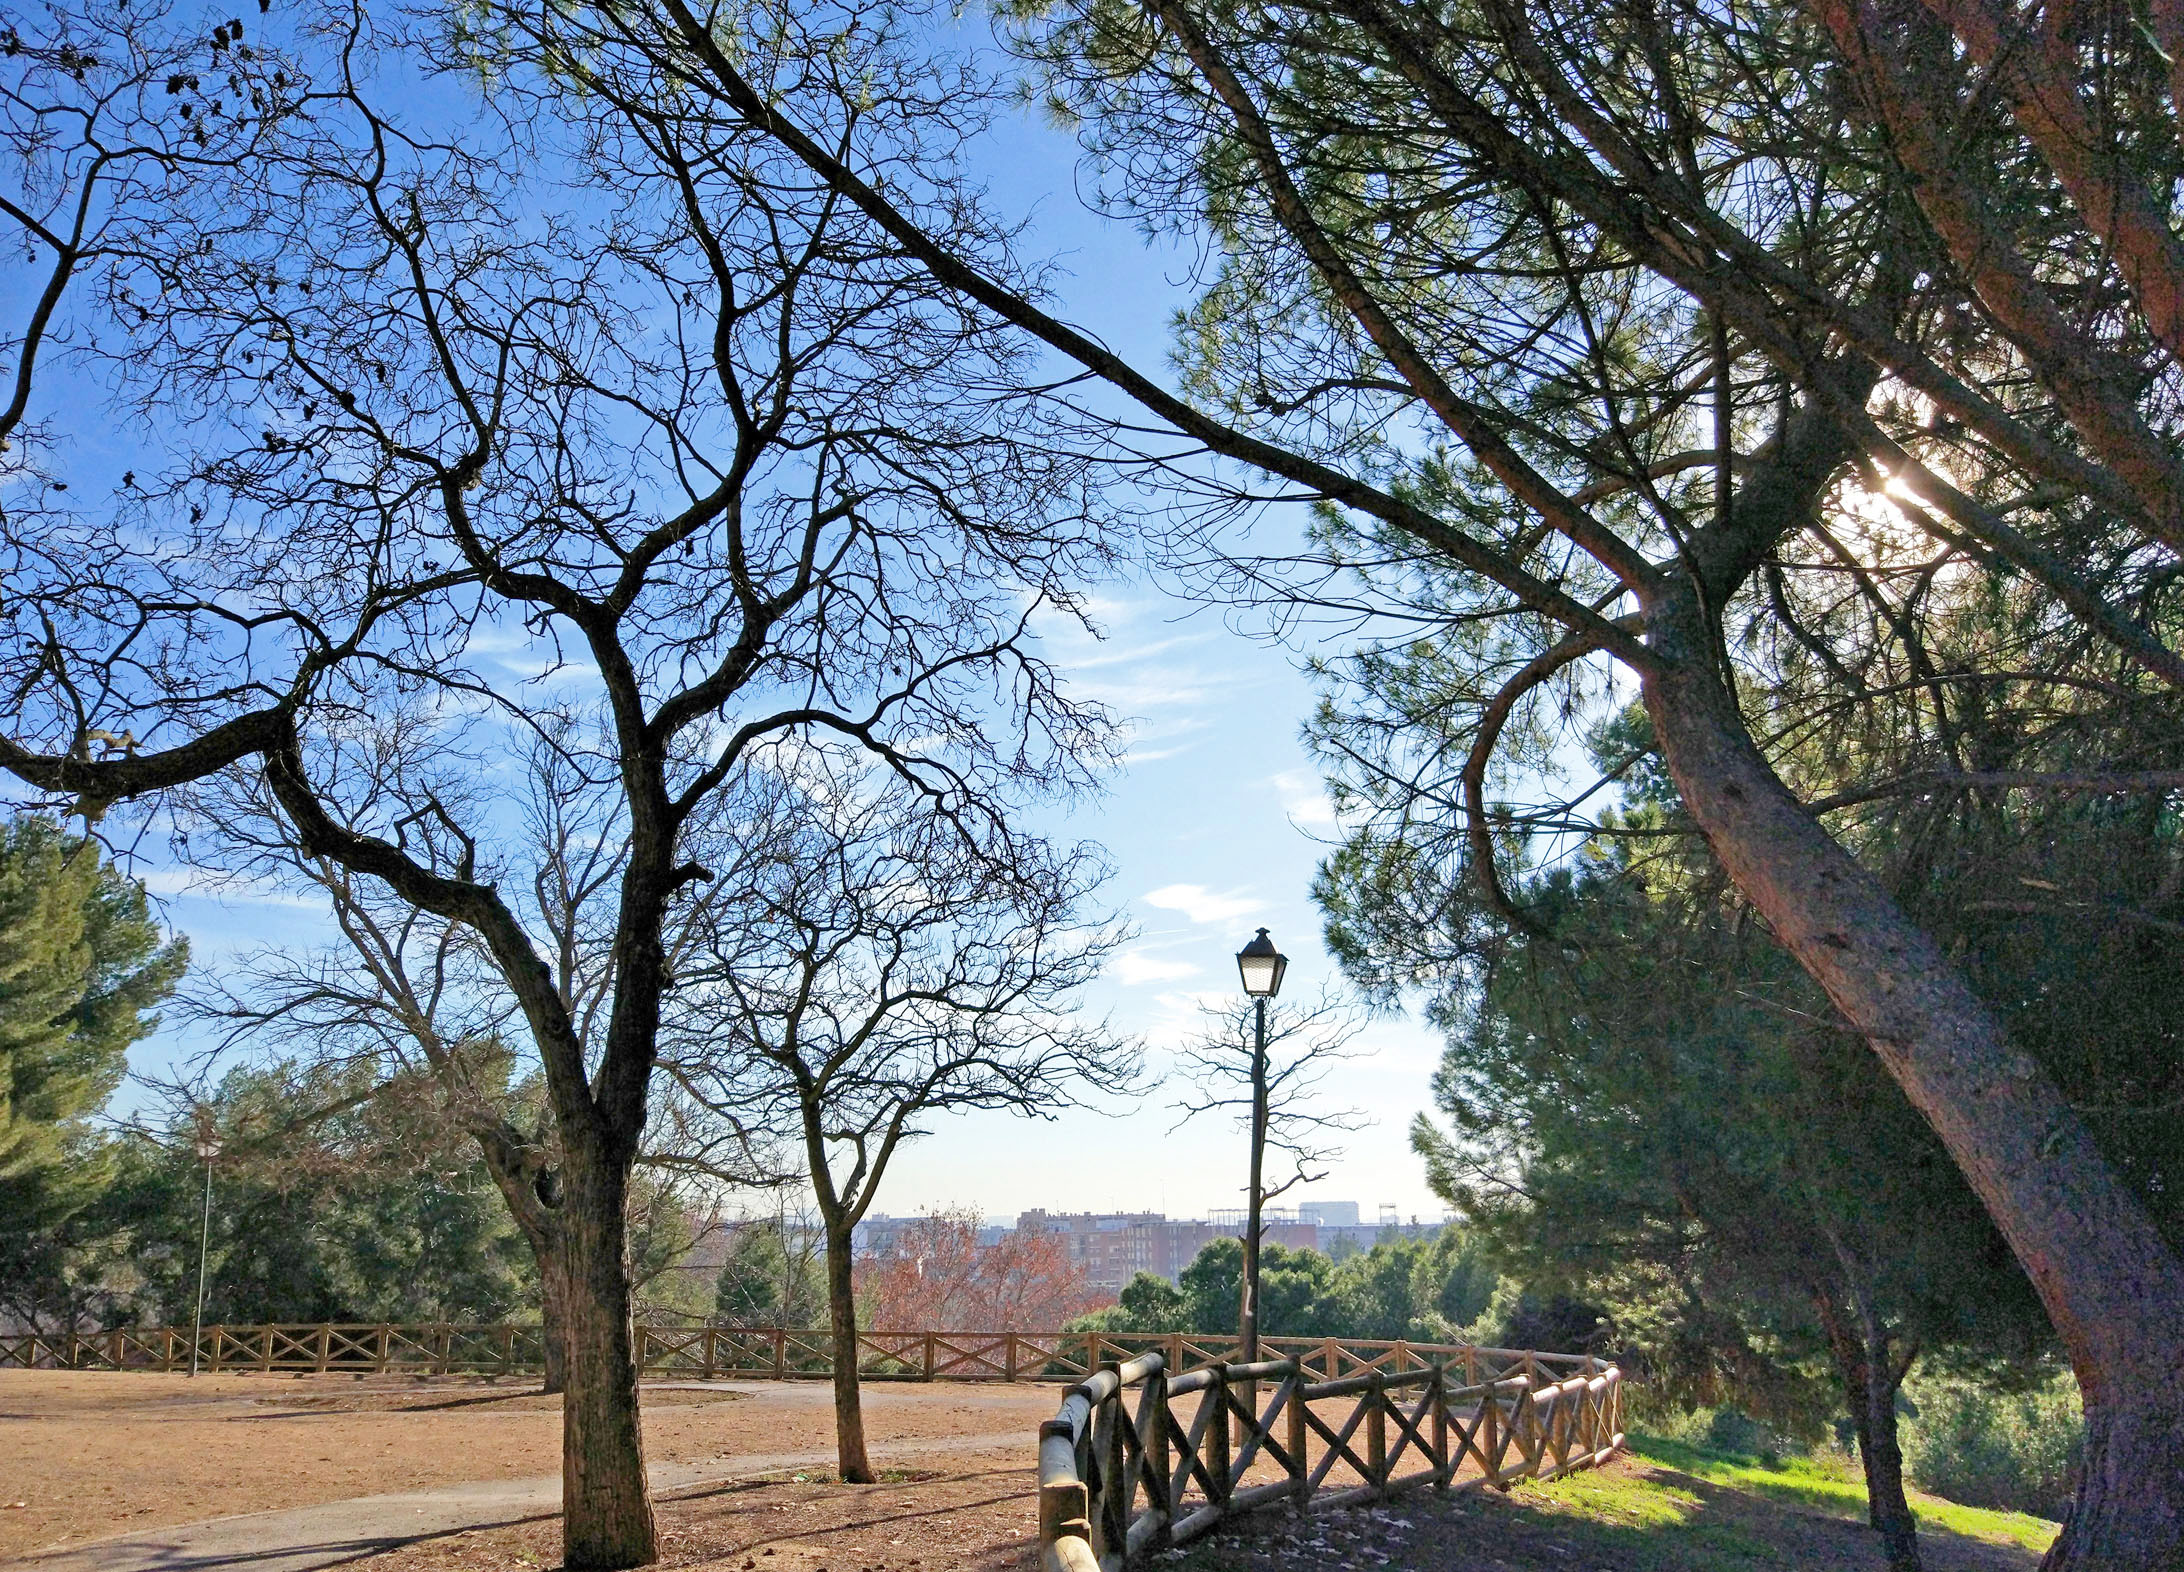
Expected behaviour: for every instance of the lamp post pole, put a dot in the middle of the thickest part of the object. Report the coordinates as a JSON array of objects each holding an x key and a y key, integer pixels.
[
  {"x": 1258, "y": 1185},
  {"x": 208, "y": 1149},
  {"x": 1261, "y": 967}
]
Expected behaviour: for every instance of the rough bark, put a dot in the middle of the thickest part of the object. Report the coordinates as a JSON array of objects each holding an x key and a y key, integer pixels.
[
  {"x": 606, "y": 1517},
  {"x": 1880, "y": 1446},
  {"x": 2108, "y": 1280},
  {"x": 849, "y": 1436},
  {"x": 1881, "y": 1452},
  {"x": 553, "y": 1334},
  {"x": 1849, "y": 1353},
  {"x": 2129, "y": 1508}
]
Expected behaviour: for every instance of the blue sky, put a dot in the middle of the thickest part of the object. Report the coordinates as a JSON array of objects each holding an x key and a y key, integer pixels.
[{"x": 1214, "y": 828}]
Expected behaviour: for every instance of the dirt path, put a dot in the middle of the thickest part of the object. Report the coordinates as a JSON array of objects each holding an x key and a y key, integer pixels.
[
  {"x": 87, "y": 1456},
  {"x": 335, "y": 1533}
]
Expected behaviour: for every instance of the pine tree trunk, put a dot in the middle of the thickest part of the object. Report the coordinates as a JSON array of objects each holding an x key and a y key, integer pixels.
[
  {"x": 606, "y": 1517},
  {"x": 2111, "y": 1284},
  {"x": 2129, "y": 1508},
  {"x": 1889, "y": 1508},
  {"x": 849, "y": 1435},
  {"x": 1850, "y": 1368}
]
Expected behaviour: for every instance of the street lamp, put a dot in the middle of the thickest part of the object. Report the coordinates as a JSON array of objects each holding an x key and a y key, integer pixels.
[
  {"x": 208, "y": 1147},
  {"x": 1261, "y": 966}
]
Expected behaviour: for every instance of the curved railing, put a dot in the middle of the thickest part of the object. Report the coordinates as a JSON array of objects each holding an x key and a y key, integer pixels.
[{"x": 1115, "y": 1483}]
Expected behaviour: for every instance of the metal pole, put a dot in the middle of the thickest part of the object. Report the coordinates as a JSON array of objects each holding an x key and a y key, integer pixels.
[
  {"x": 1250, "y": 1328},
  {"x": 204, "y": 1246}
]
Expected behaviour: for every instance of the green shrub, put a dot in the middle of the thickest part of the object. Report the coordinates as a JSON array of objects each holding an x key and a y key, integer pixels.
[
  {"x": 1995, "y": 1449},
  {"x": 1726, "y": 1429}
]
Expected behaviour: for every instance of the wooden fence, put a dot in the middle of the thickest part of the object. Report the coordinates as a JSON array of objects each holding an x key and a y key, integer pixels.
[
  {"x": 1116, "y": 1484},
  {"x": 708, "y": 1352}
]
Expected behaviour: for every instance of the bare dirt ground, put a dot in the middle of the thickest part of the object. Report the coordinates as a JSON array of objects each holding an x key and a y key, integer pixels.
[
  {"x": 85, "y": 1455},
  {"x": 968, "y": 1512},
  {"x": 975, "y": 1514}
]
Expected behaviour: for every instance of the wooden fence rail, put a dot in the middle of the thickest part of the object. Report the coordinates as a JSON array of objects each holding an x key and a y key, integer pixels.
[
  {"x": 1116, "y": 1483},
  {"x": 706, "y": 1352}
]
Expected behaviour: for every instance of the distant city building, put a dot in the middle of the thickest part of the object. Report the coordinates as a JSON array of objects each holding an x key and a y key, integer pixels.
[
  {"x": 877, "y": 1235},
  {"x": 1328, "y": 1214},
  {"x": 1113, "y": 1247}
]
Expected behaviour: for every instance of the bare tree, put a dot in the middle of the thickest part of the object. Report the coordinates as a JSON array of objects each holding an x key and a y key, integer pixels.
[
  {"x": 417, "y": 999},
  {"x": 870, "y": 981},
  {"x": 551, "y": 409},
  {"x": 1267, "y": 1063}
]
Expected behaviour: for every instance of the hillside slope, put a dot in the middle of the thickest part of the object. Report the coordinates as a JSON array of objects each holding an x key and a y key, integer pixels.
[{"x": 1664, "y": 1508}]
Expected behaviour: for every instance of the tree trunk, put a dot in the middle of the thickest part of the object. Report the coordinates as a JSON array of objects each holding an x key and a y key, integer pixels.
[
  {"x": 2109, "y": 1281},
  {"x": 606, "y": 1515},
  {"x": 2129, "y": 1506},
  {"x": 849, "y": 1436},
  {"x": 1887, "y": 1507},
  {"x": 553, "y": 1332},
  {"x": 1870, "y": 1378},
  {"x": 1849, "y": 1353}
]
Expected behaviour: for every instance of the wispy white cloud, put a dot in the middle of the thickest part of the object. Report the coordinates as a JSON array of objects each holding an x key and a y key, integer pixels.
[
  {"x": 1304, "y": 799},
  {"x": 194, "y": 884},
  {"x": 1155, "y": 755},
  {"x": 1130, "y": 654},
  {"x": 1201, "y": 905},
  {"x": 1134, "y": 968}
]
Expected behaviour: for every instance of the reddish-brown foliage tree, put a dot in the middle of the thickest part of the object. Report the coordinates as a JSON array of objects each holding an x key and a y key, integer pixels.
[{"x": 937, "y": 1276}]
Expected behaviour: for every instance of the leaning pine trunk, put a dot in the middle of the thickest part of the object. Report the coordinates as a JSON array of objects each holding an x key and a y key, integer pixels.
[
  {"x": 606, "y": 1517},
  {"x": 2111, "y": 1284},
  {"x": 849, "y": 1436}
]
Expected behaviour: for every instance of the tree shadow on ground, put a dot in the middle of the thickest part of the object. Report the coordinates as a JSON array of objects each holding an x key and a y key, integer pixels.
[{"x": 1631, "y": 1516}]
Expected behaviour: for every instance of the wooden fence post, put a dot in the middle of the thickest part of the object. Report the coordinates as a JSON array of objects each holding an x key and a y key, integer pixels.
[
  {"x": 325, "y": 1348},
  {"x": 1215, "y": 1448},
  {"x": 1152, "y": 1427},
  {"x": 1443, "y": 1469},
  {"x": 1116, "y": 1483},
  {"x": 1376, "y": 1433},
  {"x": 929, "y": 1356},
  {"x": 780, "y": 1354},
  {"x": 385, "y": 1349},
  {"x": 1489, "y": 1434},
  {"x": 1299, "y": 1475}
]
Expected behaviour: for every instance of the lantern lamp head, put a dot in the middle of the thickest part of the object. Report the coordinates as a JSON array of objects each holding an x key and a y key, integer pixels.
[{"x": 1261, "y": 966}]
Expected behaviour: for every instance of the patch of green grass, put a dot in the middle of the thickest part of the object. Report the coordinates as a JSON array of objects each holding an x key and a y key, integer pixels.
[
  {"x": 1645, "y": 1525},
  {"x": 1835, "y": 1487}
]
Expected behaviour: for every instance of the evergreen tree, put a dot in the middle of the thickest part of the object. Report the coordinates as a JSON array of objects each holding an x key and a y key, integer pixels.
[{"x": 83, "y": 966}]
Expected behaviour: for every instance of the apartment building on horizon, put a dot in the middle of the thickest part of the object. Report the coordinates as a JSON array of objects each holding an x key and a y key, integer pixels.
[{"x": 1113, "y": 1247}]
